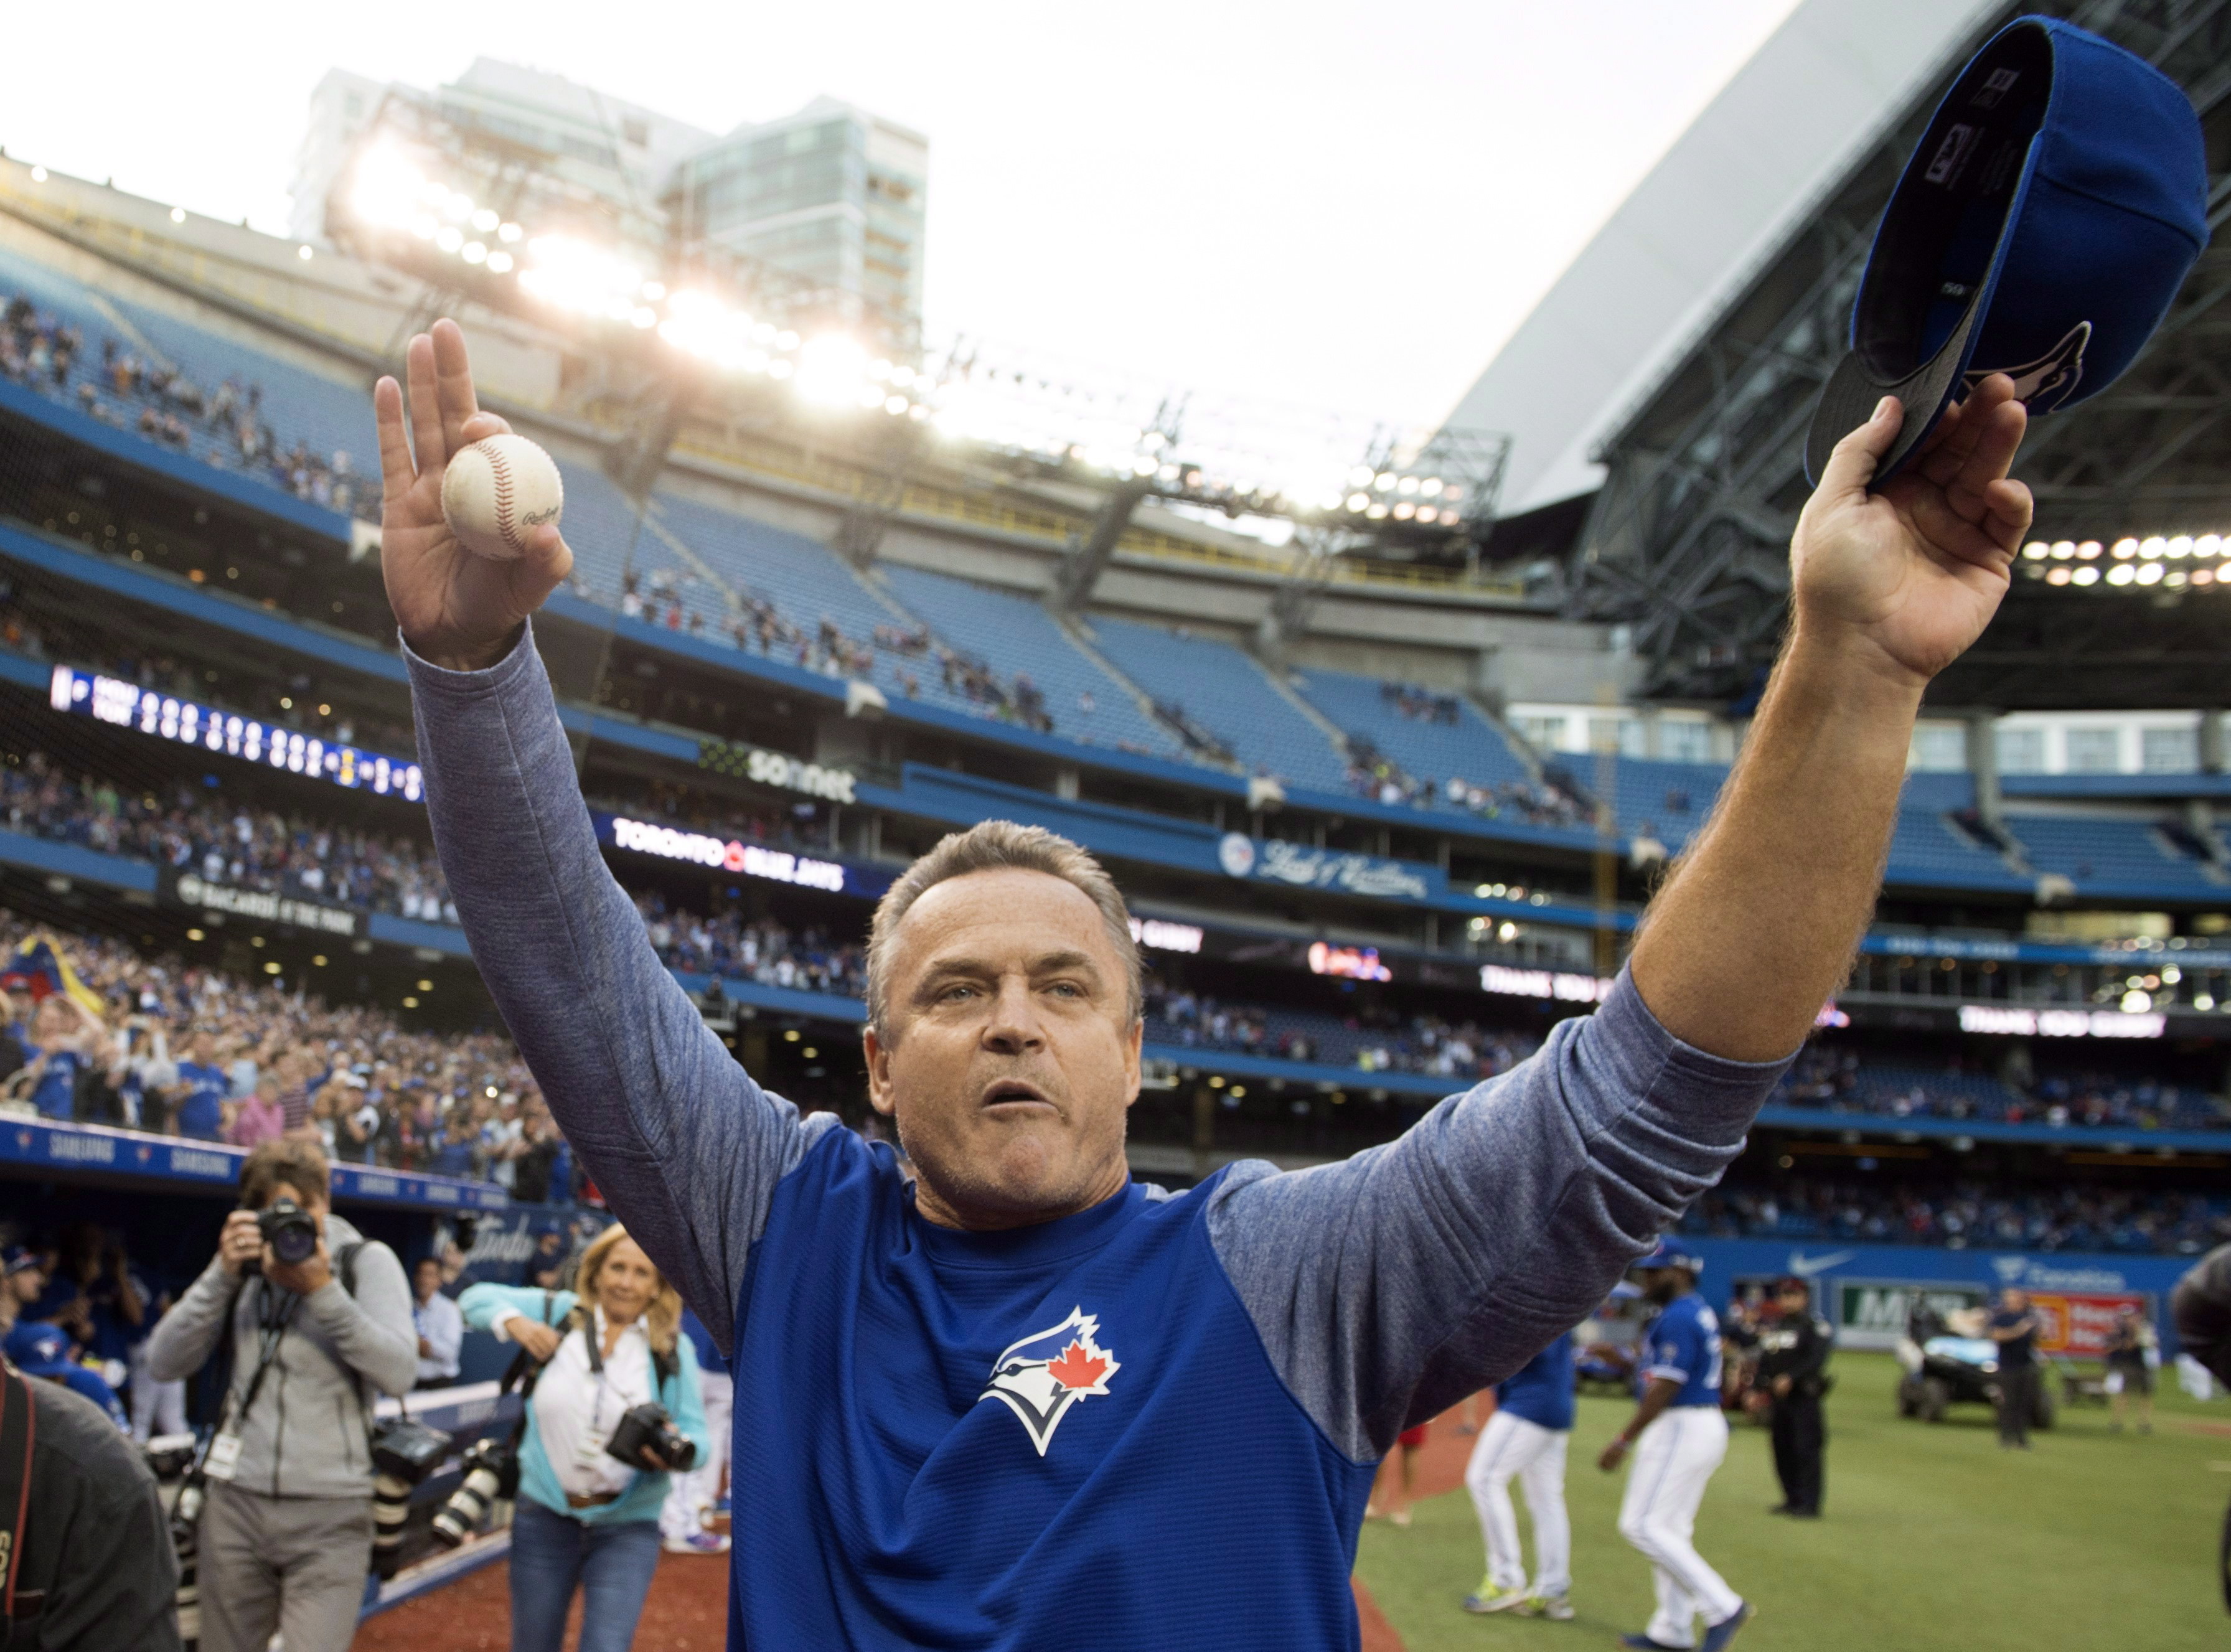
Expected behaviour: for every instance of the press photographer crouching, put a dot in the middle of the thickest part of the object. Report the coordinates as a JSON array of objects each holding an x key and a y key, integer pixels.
[
  {"x": 320, "y": 1317},
  {"x": 612, "y": 1405}
]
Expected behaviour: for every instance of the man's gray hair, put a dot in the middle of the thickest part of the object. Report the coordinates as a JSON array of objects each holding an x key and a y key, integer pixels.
[{"x": 991, "y": 846}]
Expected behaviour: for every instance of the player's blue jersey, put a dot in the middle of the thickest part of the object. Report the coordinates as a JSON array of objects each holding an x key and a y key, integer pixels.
[
  {"x": 979, "y": 1427},
  {"x": 1683, "y": 1345},
  {"x": 1541, "y": 1391}
]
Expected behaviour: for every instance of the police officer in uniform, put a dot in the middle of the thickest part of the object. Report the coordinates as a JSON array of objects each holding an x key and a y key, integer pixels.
[{"x": 1792, "y": 1369}]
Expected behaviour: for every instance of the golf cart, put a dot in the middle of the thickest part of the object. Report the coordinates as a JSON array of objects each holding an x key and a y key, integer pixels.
[{"x": 1942, "y": 1364}]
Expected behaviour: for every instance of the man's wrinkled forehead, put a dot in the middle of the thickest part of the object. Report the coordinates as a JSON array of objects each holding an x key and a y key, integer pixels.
[{"x": 1009, "y": 910}]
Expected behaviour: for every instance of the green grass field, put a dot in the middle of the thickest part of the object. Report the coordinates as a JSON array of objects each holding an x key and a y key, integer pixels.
[{"x": 1933, "y": 1539}]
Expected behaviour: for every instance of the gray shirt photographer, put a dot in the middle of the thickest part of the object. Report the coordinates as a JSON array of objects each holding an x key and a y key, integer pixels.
[{"x": 305, "y": 1436}]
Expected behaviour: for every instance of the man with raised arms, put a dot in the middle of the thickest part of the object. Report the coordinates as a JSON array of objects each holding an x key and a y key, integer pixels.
[{"x": 1022, "y": 1401}]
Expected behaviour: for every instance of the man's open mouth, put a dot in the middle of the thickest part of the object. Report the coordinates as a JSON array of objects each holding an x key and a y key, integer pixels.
[{"x": 1005, "y": 1092}]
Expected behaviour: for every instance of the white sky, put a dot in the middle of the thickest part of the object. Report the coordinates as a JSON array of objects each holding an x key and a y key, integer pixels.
[{"x": 1335, "y": 206}]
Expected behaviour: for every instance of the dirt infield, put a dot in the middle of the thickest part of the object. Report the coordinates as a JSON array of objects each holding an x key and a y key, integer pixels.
[{"x": 687, "y": 1611}]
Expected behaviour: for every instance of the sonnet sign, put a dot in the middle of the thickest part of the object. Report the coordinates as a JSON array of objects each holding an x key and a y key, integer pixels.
[
  {"x": 767, "y": 768},
  {"x": 2059, "y": 1024}
]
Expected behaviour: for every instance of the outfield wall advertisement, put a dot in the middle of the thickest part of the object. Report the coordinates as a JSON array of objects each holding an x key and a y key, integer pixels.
[{"x": 1867, "y": 1290}]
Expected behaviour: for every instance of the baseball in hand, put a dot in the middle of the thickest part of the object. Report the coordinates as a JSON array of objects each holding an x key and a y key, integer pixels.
[{"x": 497, "y": 491}]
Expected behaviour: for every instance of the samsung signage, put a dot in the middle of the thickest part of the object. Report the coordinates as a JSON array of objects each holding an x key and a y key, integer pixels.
[
  {"x": 187, "y": 889},
  {"x": 1241, "y": 856},
  {"x": 727, "y": 854},
  {"x": 126, "y": 705},
  {"x": 2059, "y": 1024}
]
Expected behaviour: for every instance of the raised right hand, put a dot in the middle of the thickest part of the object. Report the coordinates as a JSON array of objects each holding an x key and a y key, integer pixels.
[
  {"x": 457, "y": 610},
  {"x": 240, "y": 1241}
]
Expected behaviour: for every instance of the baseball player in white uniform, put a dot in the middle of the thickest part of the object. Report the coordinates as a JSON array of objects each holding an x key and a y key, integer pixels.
[
  {"x": 1678, "y": 1437},
  {"x": 1525, "y": 1441}
]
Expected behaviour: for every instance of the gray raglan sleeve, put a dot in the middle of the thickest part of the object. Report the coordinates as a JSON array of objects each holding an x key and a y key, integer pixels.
[
  {"x": 1389, "y": 1286},
  {"x": 686, "y": 1147}
]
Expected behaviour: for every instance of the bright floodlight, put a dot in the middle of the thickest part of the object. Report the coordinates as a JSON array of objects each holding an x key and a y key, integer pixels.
[
  {"x": 2036, "y": 551},
  {"x": 831, "y": 369},
  {"x": 2087, "y": 551},
  {"x": 2180, "y": 546},
  {"x": 2063, "y": 549},
  {"x": 485, "y": 219},
  {"x": 178, "y": 215},
  {"x": 2152, "y": 547},
  {"x": 2084, "y": 577},
  {"x": 499, "y": 261},
  {"x": 2121, "y": 574},
  {"x": 508, "y": 232},
  {"x": 473, "y": 252},
  {"x": 2123, "y": 549},
  {"x": 448, "y": 238},
  {"x": 388, "y": 188},
  {"x": 2207, "y": 544}
]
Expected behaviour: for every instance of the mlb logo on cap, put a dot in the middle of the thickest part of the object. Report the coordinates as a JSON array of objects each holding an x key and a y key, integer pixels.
[{"x": 2040, "y": 229}]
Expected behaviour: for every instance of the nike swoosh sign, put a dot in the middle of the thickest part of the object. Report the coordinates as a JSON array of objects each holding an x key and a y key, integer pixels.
[{"x": 1807, "y": 1266}]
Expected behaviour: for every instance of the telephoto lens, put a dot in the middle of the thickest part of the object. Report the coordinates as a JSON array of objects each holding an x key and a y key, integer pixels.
[
  {"x": 291, "y": 1232},
  {"x": 391, "y": 1513},
  {"x": 491, "y": 1471}
]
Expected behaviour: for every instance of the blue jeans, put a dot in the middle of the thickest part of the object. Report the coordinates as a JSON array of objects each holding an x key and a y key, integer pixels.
[{"x": 550, "y": 1552}]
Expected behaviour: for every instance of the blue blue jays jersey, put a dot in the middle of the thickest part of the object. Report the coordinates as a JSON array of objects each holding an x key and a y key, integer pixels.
[
  {"x": 1540, "y": 1392},
  {"x": 996, "y": 1390},
  {"x": 1683, "y": 1345}
]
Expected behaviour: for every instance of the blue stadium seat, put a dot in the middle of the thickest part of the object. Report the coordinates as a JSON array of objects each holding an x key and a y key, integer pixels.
[
  {"x": 1020, "y": 637},
  {"x": 2112, "y": 857},
  {"x": 1428, "y": 749},
  {"x": 1225, "y": 692}
]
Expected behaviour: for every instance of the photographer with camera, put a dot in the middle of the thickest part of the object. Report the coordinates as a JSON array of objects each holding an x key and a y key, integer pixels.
[
  {"x": 320, "y": 1318},
  {"x": 613, "y": 1406}
]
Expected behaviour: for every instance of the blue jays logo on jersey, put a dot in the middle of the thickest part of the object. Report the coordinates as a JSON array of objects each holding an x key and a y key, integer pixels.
[{"x": 1039, "y": 1377}]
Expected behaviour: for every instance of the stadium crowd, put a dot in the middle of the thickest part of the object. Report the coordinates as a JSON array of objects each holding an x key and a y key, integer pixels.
[
  {"x": 224, "y": 425},
  {"x": 157, "y": 1044},
  {"x": 1838, "y": 1079},
  {"x": 1420, "y": 1043},
  {"x": 1965, "y": 1214}
]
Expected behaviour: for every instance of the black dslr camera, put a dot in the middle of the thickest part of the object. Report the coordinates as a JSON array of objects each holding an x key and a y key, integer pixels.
[
  {"x": 404, "y": 1452},
  {"x": 647, "y": 1425},
  {"x": 291, "y": 1232}
]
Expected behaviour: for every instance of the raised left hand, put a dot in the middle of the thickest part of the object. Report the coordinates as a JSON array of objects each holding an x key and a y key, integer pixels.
[{"x": 1915, "y": 571}]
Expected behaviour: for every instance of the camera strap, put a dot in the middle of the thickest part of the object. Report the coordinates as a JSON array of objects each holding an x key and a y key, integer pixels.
[{"x": 19, "y": 1428}]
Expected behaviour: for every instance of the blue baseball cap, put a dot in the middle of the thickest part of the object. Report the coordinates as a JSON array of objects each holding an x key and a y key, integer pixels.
[
  {"x": 2041, "y": 228},
  {"x": 40, "y": 1350},
  {"x": 17, "y": 1258},
  {"x": 1669, "y": 1255}
]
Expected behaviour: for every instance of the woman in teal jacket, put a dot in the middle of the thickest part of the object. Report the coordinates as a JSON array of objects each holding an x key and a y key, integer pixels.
[{"x": 584, "y": 1517}]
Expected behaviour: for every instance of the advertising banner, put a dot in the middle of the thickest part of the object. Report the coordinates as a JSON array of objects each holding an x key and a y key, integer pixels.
[
  {"x": 174, "y": 887},
  {"x": 1868, "y": 1290}
]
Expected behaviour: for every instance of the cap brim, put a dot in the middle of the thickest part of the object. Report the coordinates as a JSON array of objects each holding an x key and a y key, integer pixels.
[{"x": 1853, "y": 392}]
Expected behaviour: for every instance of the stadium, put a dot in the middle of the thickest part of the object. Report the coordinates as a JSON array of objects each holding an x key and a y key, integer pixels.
[{"x": 1389, "y": 737}]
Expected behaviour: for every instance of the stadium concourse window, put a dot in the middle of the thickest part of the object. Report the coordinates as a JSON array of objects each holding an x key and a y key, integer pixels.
[
  {"x": 2093, "y": 751},
  {"x": 2168, "y": 751},
  {"x": 2021, "y": 751}
]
